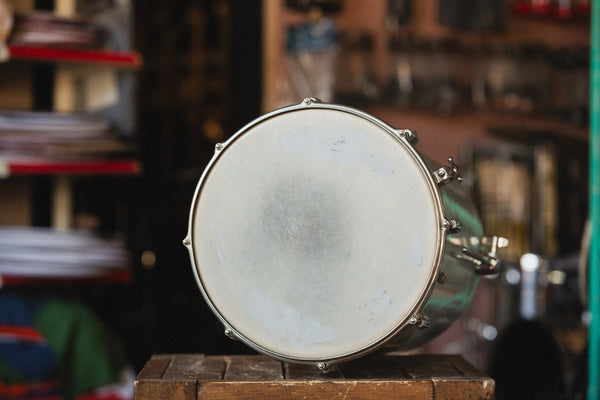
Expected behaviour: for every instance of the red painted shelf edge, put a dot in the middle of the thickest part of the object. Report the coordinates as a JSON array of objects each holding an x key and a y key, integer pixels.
[
  {"x": 88, "y": 167},
  {"x": 122, "y": 59},
  {"x": 120, "y": 276}
]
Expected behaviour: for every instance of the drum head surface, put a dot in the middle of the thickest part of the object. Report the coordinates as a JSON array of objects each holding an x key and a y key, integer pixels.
[{"x": 314, "y": 233}]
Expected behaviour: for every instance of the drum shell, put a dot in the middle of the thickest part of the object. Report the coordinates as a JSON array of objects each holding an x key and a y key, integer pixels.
[
  {"x": 456, "y": 281},
  {"x": 452, "y": 280}
]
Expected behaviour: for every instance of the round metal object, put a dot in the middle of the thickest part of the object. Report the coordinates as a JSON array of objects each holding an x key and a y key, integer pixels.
[{"x": 317, "y": 233}]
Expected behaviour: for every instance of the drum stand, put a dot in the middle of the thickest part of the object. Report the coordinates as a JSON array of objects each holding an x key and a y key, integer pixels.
[{"x": 195, "y": 377}]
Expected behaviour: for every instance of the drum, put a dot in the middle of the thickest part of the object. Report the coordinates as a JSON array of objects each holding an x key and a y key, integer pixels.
[{"x": 318, "y": 233}]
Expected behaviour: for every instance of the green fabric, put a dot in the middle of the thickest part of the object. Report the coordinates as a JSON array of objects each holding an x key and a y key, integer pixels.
[
  {"x": 89, "y": 355},
  {"x": 8, "y": 375}
]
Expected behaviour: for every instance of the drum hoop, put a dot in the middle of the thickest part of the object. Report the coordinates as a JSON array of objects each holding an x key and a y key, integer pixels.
[{"x": 434, "y": 191}]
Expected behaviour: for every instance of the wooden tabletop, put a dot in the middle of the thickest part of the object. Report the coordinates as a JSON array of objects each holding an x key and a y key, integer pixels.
[{"x": 195, "y": 376}]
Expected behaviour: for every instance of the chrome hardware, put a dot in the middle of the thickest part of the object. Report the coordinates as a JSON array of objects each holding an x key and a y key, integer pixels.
[
  {"x": 229, "y": 333},
  {"x": 420, "y": 320},
  {"x": 447, "y": 174},
  {"x": 410, "y": 135},
  {"x": 485, "y": 259},
  {"x": 453, "y": 225},
  {"x": 219, "y": 147},
  {"x": 323, "y": 367},
  {"x": 424, "y": 321},
  {"x": 187, "y": 241},
  {"x": 310, "y": 100}
]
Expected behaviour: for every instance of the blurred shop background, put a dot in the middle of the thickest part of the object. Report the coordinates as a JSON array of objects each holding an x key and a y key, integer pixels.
[{"x": 110, "y": 110}]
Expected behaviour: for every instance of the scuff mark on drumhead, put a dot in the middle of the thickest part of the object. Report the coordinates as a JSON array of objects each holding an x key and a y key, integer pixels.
[
  {"x": 377, "y": 302},
  {"x": 351, "y": 148},
  {"x": 285, "y": 322},
  {"x": 233, "y": 171}
]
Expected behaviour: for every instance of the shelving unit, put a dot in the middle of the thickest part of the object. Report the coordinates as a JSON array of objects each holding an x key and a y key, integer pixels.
[
  {"x": 112, "y": 156},
  {"x": 453, "y": 129}
]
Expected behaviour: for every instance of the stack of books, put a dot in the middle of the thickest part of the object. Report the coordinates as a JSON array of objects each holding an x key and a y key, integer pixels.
[{"x": 30, "y": 254}]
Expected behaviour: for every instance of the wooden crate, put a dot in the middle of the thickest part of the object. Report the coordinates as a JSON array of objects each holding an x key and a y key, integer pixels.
[{"x": 195, "y": 376}]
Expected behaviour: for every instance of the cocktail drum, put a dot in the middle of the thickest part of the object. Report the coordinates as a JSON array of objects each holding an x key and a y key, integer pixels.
[{"x": 318, "y": 233}]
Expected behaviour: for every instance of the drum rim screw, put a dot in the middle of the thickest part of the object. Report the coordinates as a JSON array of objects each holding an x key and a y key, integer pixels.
[
  {"x": 310, "y": 100},
  {"x": 229, "y": 333},
  {"x": 409, "y": 135},
  {"x": 453, "y": 225},
  {"x": 324, "y": 367}
]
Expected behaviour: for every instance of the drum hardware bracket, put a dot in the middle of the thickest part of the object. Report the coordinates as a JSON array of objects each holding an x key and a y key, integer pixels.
[
  {"x": 486, "y": 263},
  {"x": 219, "y": 147},
  {"x": 187, "y": 241},
  {"x": 324, "y": 367},
  {"x": 310, "y": 100},
  {"x": 453, "y": 225},
  {"x": 229, "y": 333},
  {"x": 408, "y": 134},
  {"x": 446, "y": 175},
  {"x": 422, "y": 321}
]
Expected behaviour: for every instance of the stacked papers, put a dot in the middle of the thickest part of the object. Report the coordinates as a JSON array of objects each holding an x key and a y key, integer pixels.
[
  {"x": 46, "y": 253},
  {"x": 61, "y": 136},
  {"x": 40, "y": 29}
]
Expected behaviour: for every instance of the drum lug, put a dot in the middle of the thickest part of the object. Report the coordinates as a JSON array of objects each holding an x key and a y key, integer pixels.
[
  {"x": 486, "y": 261},
  {"x": 410, "y": 135},
  {"x": 446, "y": 175},
  {"x": 324, "y": 367},
  {"x": 310, "y": 100},
  {"x": 229, "y": 333},
  {"x": 453, "y": 225},
  {"x": 420, "y": 320}
]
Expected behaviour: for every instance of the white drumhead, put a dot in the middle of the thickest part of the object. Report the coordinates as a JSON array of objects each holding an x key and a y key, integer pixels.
[{"x": 315, "y": 232}]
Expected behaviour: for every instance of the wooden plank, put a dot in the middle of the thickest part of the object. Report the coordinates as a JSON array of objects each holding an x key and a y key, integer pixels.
[
  {"x": 373, "y": 368},
  {"x": 320, "y": 390},
  {"x": 465, "y": 368},
  {"x": 253, "y": 368},
  {"x": 184, "y": 366},
  {"x": 155, "y": 368},
  {"x": 157, "y": 382},
  {"x": 212, "y": 368},
  {"x": 426, "y": 366},
  {"x": 155, "y": 389},
  {"x": 451, "y": 376},
  {"x": 450, "y": 389},
  {"x": 195, "y": 377},
  {"x": 301, "y": 371},
  {"x": 473, "y": 385}
]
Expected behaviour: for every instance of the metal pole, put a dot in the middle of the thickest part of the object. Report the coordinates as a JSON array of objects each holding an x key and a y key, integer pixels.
[{"x": 594, "y": 258}]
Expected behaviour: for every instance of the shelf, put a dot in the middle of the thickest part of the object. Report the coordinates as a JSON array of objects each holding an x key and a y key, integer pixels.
[
  {"x": 519, "y": 30},
  {"x": 33, "y": 166},
  {"x": 442, "y": 136},
  {"x": 119, "y": 276},
  {"x": 536, "y": 128},
  {"x": 97, "y": 57}
]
